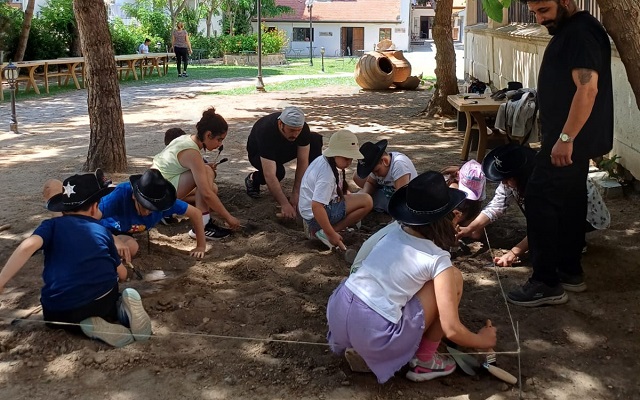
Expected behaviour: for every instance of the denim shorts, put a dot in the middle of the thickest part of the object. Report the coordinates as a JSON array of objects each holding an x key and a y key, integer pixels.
[{"x": 336, "y": 212}]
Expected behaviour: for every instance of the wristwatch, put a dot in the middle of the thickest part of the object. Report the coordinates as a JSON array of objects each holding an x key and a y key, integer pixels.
[{"x": 564, "y": 138}]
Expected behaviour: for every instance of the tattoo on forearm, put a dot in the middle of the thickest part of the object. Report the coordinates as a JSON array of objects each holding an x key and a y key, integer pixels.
[{"x": 584, "y": 75}]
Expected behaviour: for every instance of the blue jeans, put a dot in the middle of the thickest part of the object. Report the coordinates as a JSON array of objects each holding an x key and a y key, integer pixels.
[{"x": 336, "y": 211}]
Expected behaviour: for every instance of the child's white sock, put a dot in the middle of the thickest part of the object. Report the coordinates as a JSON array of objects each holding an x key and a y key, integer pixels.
[{"x": 206, "y": 218}]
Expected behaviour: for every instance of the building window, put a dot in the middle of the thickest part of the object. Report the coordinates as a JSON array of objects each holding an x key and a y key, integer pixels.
[
  {"x": 385, "y": 33},
  {"x": 301, "y": 34}
]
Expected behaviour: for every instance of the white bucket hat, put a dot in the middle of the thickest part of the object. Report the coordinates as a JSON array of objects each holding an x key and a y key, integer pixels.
[{"x": 343, "y": 143}]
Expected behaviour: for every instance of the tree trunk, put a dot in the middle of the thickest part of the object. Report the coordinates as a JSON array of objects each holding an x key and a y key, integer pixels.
[
  {"x": 26, "y": 28},
  {"x": 75, "y": 48},
  {"x": 446, "y": 81},
  {"x": 106, "y": 143},
  {"x": 621, "y": 18},
  {"x": 209, "y": 17}
]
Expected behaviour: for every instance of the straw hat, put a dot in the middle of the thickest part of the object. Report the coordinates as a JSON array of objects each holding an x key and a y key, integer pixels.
[{"x": 343, "y": 143}]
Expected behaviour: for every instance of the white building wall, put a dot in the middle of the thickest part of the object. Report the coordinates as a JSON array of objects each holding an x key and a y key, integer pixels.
[
  {"x": 327, "y": 35},
  {"x": 514, "y": 53}
]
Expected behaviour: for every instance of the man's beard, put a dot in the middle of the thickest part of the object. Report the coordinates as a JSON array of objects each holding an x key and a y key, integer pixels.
[{"x": 561, "y": 17}]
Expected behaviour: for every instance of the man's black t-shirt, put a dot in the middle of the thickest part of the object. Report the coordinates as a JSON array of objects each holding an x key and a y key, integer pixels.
[
  {"x": 266, "y": 140},
  {"x": 581, "y": 42}
]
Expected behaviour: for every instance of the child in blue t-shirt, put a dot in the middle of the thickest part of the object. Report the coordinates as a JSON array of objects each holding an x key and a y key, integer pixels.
[
  {"x": 82, "y": 267},
  {"x": 140, "y": 204}
]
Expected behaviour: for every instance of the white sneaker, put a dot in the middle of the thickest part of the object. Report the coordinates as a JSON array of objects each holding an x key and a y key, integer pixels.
[
  {"x": 320, "y": 235},
  {"x": 139, "y": 320},
  {"x": 439, "y": 365},
  {"x": 112, "y": 334}
]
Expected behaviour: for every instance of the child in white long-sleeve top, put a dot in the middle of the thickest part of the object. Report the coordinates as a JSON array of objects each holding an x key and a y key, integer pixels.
[{"x": 324, "y": 205}]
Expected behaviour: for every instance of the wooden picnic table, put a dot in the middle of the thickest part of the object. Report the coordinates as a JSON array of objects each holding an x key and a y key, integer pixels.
[
  {"x": 64, "y": 68},
  {"x": 473, "y": 107},
  {"x": 128, "y": 63},
  {"x": 69, "y": 67}
]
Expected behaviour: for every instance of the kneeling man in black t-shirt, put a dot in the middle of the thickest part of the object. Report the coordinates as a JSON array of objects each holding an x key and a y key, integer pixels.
[{"x": 276, "y": 139}]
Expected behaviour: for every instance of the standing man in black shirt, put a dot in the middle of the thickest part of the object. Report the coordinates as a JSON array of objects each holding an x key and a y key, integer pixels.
[
  {"x": 276, "y": 139},
  {"x": 576, "y": 114}
]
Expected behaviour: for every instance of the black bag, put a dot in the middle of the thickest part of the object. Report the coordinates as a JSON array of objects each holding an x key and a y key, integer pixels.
[{"x": 477, "y": 87}]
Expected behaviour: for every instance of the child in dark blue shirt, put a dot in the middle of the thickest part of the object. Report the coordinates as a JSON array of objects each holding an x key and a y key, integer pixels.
[{"x": 82, "y": 267}]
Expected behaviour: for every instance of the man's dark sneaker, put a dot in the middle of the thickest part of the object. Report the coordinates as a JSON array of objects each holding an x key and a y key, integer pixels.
[
  {"x": 534, "y": 294},
  {"x": 185, "y": 75},
  {"x": 253, "y": 190},
  {"x": 212, "y": 232},
  {"x": 572, "y": 283}
]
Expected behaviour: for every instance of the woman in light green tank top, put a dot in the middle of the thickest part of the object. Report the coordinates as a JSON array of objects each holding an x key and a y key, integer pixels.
[{"x": 181, "y": 164}]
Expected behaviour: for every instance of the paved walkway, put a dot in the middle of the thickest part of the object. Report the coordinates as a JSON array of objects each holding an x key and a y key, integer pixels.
[{"x": 68, "y": 109}]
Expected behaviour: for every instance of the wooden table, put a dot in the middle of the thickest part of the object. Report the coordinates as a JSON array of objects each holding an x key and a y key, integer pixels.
[
  {"x": 64, "y": 68},
  {"x": 157, "y": 61},
  {"x": 30, "y": 78},
  {"x": 473, "y": 109},
  {"x": 69, "y": 68}
]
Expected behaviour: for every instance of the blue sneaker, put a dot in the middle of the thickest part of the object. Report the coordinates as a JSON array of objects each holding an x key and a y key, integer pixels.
[
  {"x": 112, "y": 334},
  {"x": 132, "y": 313}
]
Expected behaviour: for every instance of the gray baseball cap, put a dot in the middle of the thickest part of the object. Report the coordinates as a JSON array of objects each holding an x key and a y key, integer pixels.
[{"x": 292, "y": 116}]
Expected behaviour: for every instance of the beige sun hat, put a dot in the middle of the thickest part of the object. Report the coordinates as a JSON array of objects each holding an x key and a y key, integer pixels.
[{"x": 343, "y": 143}]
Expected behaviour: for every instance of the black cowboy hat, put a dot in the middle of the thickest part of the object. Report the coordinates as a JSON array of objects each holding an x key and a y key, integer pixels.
[
  {"x": 79, "y": 190},
  {"x": 372, "y": 154},
  {"x": 507, "y": 161},
  {"x": 426, "y": 199},
  {"x": 152, "y": 191}
]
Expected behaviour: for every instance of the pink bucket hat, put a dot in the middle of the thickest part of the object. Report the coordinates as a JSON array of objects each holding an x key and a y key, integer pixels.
[{"x": 471, "y": 180}]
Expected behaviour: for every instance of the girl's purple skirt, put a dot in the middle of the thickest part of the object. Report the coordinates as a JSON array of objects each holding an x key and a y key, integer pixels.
[{"x": 386, "y": 347}]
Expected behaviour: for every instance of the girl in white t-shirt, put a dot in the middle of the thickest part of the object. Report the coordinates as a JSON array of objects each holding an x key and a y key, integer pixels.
[
  {"x": 403, "y": 299},
  {"x": 323, "y": 204},
  {"x": 380, "y": 173}
]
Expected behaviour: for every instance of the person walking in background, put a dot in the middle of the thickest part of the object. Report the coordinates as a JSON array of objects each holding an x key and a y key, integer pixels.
[
  {"x": 575, "y": 94},
  {"x": 276, "y": 139},
  {"x": 144, "y": 47},
  {"x": 181, "y": 47}
]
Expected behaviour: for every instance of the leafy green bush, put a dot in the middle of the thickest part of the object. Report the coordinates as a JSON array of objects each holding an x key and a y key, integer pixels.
[
  {"x": 45, "y": 44},
  {"x": 212, "y": 46},
  {"x": 127, "y": 38},
  {"x": 272, "y": 42},
  {"x": 10, "y": 26},
  {"x": 57, "y": 19},
  {"x": 154, "y": 20}
]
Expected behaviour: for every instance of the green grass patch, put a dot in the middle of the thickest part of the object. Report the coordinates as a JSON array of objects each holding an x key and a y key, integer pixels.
[
  {"x": 295, "y": 66},
  {"x": 289, "y": 85}
]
